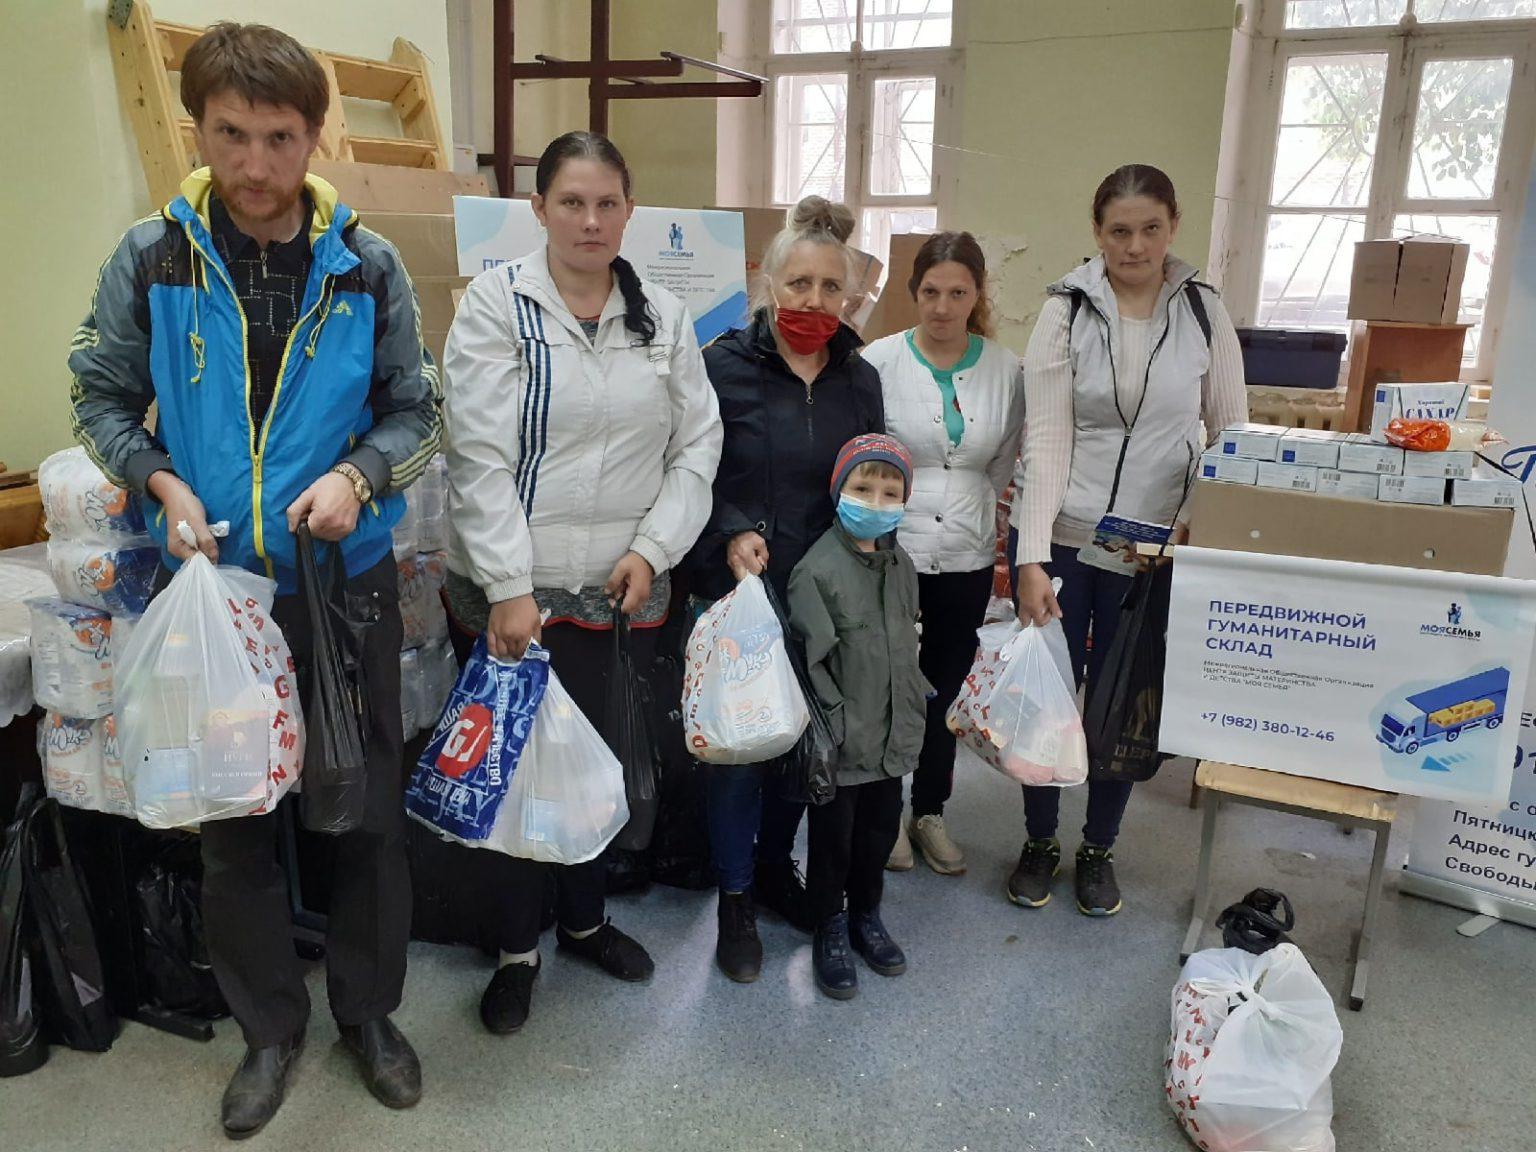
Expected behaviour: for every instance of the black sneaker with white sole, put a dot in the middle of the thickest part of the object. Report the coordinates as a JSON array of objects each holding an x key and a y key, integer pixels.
[
  {"x": 1097, "y": 892},
  {"x": 1039, "y": 862}
]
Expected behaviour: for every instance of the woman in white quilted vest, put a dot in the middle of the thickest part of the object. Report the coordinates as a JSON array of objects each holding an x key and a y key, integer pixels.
[
  {"x": 955, "y": 398},
  {"x": 1130, "y": 356}
]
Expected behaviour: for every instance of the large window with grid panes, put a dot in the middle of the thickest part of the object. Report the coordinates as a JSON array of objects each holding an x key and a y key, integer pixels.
[
  {"x": 861, "y": 108},
  {"x": 1371, "y": 119}
]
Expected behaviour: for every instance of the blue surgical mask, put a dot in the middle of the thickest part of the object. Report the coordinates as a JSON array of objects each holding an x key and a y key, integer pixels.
[{"x": 865, "y": 521}]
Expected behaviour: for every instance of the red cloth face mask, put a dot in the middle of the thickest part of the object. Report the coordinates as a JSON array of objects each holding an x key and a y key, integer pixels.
[{"x": 804, "y": 331}]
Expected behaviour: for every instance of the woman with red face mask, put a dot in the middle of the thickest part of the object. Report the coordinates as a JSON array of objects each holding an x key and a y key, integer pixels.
[{"x": 792, "y": 391}]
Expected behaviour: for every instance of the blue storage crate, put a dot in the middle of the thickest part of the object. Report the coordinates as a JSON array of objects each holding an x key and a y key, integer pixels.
[{"x": 1291, "y": 357}]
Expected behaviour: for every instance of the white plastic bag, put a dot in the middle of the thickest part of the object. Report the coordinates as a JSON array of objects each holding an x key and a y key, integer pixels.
[
  {"x": 1253, "y": 1045},
  {"x": 1017, "y": 710},
  {"x": 208, "y": 717},
  {"x": 566, "y": 799},
  {"x": 741, "y": 702}
]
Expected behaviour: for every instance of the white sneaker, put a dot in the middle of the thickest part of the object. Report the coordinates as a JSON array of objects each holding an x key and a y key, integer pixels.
[
  {"x": 942, "y": 854},
  {"x": 901, "y": 859}
]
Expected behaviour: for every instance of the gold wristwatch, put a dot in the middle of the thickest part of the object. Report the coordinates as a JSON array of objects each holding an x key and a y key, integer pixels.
[{"x": 360, "y": 486}]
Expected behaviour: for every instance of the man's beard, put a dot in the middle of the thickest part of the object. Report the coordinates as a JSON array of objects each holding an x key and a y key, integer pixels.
[{"x": 282, "y": 203}]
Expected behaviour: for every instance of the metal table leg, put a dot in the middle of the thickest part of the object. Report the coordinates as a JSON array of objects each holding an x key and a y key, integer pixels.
[
  {"x": 1202, "y": 906},
  {"x": 1368, "y": 923}
]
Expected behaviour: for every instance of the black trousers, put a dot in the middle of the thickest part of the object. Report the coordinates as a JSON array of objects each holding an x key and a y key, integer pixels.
[
  {"x": 581, "y": 658},
  {"x": 953, "y": 605},
  {"x": 851, "y": 837},
  {"x": 246, "y": 914}
]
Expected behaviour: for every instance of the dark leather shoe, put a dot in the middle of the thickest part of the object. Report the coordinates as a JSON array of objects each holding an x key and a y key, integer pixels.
[
  {"x": 255, "y": 1091},
  {"x": 738, "y": 950},
  {"x": 615, "y": 953},
  {"x": 871, "y": 941},
  {"x": 390, "y": 1067},
  {"x": 779, "y": 887},
  {"x": 504, "y": 1007},
  {"x": 832, "y": 960}
]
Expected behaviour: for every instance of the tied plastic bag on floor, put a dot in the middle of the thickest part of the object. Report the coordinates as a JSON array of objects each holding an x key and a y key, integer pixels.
[
  {"x": 1253, "y": 1045},
  {"x": 70, "y": 977},
  {"x": 1017, "y": 710},
  {"x": 741, "y": 701},
  {"x": 208, "y": 717},
  {"x": 178, "y": 975},
  {"x": 1124, "y": 710},
  {"x": 460, "y": 784},
  {"x": 628, "y": 733},
  {"x": 565, "y": 802},
  {"x": 336, "y": 696},
  {"x": 23, "y": 1047}
]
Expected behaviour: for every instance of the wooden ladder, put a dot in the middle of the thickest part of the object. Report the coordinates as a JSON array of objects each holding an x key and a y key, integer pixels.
[{"x": 147, "y": 51}]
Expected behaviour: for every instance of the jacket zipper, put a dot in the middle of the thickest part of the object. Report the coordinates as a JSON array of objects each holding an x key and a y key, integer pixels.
[{"x": 256, "y": 450}]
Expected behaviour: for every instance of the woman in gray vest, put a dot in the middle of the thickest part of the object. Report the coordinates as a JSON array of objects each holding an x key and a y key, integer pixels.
[{"x": 1129, "y": 357}]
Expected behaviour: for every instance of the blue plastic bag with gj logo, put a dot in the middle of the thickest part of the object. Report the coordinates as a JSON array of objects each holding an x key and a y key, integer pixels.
[{"x": 465, "y": 773}]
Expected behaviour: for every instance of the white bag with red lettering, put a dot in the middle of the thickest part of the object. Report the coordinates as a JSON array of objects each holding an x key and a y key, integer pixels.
[
  {"x": 208, "y": 717},
  {"x": 1252, "y": 1050}
]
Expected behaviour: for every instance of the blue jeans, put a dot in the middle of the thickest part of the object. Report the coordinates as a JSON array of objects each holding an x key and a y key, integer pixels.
[
  {"x": 748, "y": 821},
  {"x": 1090, "y": 604}
]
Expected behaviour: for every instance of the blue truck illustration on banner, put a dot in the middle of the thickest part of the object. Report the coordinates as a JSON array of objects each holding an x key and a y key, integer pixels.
[{"x": 1444, "y": 713}]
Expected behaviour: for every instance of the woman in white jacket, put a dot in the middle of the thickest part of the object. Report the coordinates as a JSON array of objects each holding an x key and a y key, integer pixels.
[
  {"x": 955, "y": 398},
  {"x": 583, "y": 438},
  {"x": 1130, "y": 356}
]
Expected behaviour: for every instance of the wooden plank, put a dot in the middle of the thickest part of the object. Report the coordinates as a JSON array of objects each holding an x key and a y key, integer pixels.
[
  {"x": 394, "y": 150},
  {"x": 335, "y": 143},
  {"x": 384, "y": 188},
  {"x": 1300, "y": 791},
  {"x": 176, "y": 39},
  {"x": 21, "y": 516},
  {"x": 371, "y": 79},
  {"x": 145, "y": 92},
  {"x": 423, "y": 123}
]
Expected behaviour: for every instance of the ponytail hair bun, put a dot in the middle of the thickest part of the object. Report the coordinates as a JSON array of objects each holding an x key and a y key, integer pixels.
[{"x": 818, "y": 214}]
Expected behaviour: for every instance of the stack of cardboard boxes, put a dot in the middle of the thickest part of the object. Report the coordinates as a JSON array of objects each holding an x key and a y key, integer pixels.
[{"x": 1361, "y": 466}]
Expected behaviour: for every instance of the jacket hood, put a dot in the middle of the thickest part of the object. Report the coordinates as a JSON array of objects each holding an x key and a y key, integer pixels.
[{"x": 1091, "y": 279}]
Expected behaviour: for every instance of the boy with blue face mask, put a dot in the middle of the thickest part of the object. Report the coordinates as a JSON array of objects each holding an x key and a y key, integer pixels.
[{"x": 853, "y": 603}]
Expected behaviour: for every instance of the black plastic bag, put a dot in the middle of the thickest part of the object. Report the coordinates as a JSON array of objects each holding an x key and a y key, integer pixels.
[
  {"x": 1258, "y": 922},
  {"x": 680, "y": 853},
  {"x": 1125, "y": 702},
  {"x": 177, "y": 973},
  {"x": 71, "y": 981},
  {"x": 627, "y": 732},
  {"x": 336, "y": 696},
  {"x": 22, "y": 1045},
  {"x": 808, "y": 771}
]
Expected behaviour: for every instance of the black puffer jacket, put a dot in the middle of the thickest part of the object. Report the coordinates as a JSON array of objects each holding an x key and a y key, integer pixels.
[{"x": 781, "y": 440}]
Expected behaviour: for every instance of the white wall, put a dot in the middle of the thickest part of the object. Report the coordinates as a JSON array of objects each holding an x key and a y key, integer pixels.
[{"x": 74, "y": 182}]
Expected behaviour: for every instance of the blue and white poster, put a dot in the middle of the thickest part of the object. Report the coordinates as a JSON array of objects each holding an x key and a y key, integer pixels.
[
  {"x": 1397, "y": 679},
  {"x": 699, "y": 255}
]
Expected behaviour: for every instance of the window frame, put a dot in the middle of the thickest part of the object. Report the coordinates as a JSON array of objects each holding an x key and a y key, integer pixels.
[
  {"x": 863, "y": 68},
  {"x": 1408, "y": 47}
]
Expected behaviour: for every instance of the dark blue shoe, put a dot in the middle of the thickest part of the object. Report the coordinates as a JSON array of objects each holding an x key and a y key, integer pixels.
[
  {"x": 874, "y": 943},
  {"x": 832, "y": 959}
]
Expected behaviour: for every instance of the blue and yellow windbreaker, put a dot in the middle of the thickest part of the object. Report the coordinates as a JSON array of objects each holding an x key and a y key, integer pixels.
[{"x": 165, "y": 326}]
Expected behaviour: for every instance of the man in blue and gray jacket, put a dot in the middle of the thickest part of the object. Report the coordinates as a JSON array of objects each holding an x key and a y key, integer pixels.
[{"x": 281, "y": 342}]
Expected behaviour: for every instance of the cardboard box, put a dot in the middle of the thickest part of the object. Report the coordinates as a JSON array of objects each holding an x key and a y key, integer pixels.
[
  {"x": 1359, "y": 453},
  {"x": 1273, "y": 522},
  {"x": 1416, "y": 280},
  {"x": 435, "y": 296},
  {"x": 1228, "y": 469},
  {"x": 896, "y": 311},
  {"x": 1439, "y": 465},
  {"x": 1292, "y": 477},
  {"x": 1250, "y": 441},
  {"x": 1310, "y": 446},
  {"x": 1427, "y": 490},
  {"x": 1347, "y": 485},
  {"x": 1486, "y": 488},
  {"x": 1445, "y": 400},
  {"x": 425, "y": 240}
]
